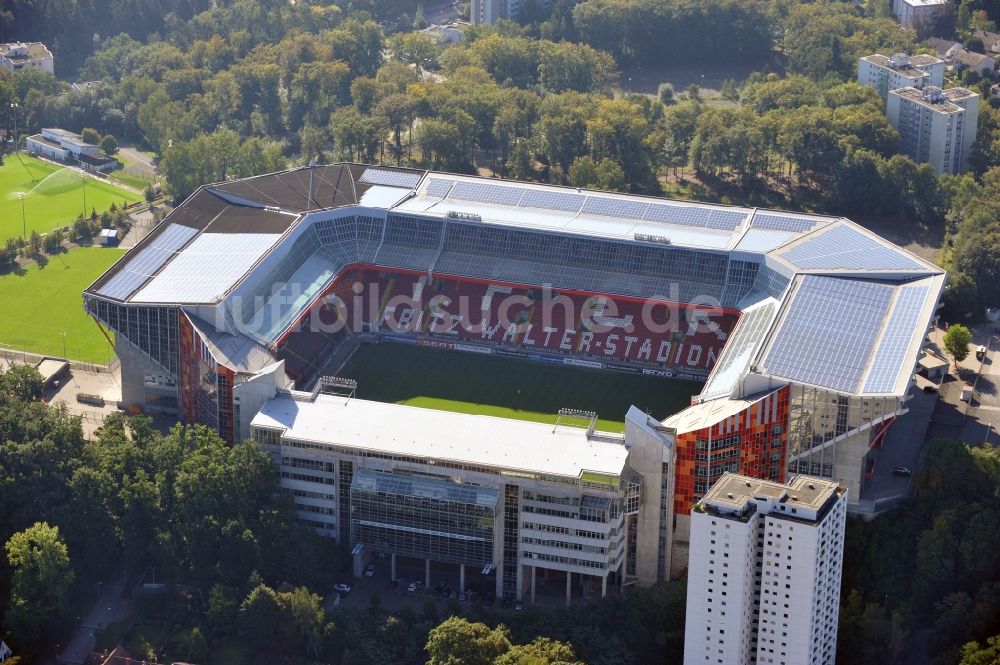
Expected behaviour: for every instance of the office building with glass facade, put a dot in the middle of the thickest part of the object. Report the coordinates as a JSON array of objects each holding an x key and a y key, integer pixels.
[{"x": 499, "y": 498}]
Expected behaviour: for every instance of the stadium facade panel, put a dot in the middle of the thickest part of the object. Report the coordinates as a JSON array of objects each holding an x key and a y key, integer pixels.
[{"x": 806, "y": 329}]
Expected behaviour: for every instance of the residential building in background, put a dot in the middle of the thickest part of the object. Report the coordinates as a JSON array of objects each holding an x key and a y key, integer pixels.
[
  {"x": 764, "y": 572},
  {"x": 18, "y": 55},
  {"x": 935, "y": 126},
  {"x": 488, "y": 12},
  {"x": 943, "y": 48},
  {"x": 976, "y": 62},
  {"x": 900, "y": 71},
  {"x": 990, "y": 40},
  {"x": 917, "y": 13}
]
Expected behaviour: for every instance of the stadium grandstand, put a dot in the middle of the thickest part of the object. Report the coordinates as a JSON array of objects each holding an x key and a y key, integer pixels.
[{"x": 804, "y": 329}]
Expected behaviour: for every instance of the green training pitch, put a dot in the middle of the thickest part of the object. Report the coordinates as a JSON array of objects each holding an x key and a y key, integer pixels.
[
  {"x": 43, "y": 301},
  {"x": 54, "y": 196},
  {"x": 508, "y": 387}
]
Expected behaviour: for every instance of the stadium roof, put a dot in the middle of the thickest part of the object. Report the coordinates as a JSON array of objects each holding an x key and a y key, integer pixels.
[
  {"x": 395, "y": 429},
  {"x": 826, "y": 302}
]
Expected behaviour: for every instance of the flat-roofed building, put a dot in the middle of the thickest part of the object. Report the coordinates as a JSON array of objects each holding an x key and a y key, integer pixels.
[
  {"x": 918, "y": 14},
  {"x": 15, "y": 56},
  {"x": 935, "y": 126},
  {"x": 65, "y": 146},
  {"x": 497, "y": 498},
  {"x": 900, "y": 71},
  {"x": 764, "y": 573}
]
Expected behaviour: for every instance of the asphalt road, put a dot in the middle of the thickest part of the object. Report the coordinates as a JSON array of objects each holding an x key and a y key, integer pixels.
[{"x": 976, "y": 422}]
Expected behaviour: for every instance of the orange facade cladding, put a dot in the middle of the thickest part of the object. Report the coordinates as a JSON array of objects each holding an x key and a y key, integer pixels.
[
  {"x": 206, "y": 387},
  {"x": 753, "y": 442}
]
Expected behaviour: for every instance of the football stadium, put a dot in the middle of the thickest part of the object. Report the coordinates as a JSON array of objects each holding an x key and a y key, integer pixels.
[{"x": 375, "y": 330}]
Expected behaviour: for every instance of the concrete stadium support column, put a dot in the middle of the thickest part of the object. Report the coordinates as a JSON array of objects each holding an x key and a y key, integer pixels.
[
  {"x": 392, "y": 566},
  {"x": 534, "y": 569},
  {"x": 461, "y": 577},
  {"x": 604, "y": 586},
  {"x": 569, "y": 587},
  {"x": 427, "y": 573}
]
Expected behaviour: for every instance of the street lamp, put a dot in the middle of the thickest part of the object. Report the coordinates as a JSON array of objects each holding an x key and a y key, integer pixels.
[
  {"x": 24, "y": 226},
  {"x": 84, "y": 178},
  {"x": 13, "y": 109},
  {"x": 63, "y": 335}
]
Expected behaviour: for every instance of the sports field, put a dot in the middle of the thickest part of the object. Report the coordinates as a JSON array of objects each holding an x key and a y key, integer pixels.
[
  {"x": 54, "y": 196},
  {"x": 44, "y": 301},
  {"x": 508, "y": 387}
]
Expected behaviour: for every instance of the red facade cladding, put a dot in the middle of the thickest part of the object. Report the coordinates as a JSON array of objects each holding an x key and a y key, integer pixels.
[
  {"x": 753, "y": 442},
  {"x": 613, "y": 328},
  {"x": 189, "y": 370},
  {"x": 206, "y": 386}
]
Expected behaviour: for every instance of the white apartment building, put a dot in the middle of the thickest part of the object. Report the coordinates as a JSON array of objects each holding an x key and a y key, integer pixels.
[
  {"x": 764, "y": 572},
  {"x": 900, "y": 71},
  {"x": 917, "y": 13},
  {"x": 488, "y": 12},
  {"x": 935, "y": 126},
  {"x": 502, "y": 502},
  {"x": 17, "y": 55}
]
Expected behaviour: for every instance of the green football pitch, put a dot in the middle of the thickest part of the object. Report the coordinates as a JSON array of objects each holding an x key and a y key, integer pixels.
[
  {"x": 54, "y": 196},
  {"x": 42, "y": 302},
  {"x": 508, "y": 387}
]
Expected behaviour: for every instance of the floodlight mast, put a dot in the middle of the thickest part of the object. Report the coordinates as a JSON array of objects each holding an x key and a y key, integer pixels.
[
  {"x": 335, "y": 385},
  {"x": 589, "y": 416}
]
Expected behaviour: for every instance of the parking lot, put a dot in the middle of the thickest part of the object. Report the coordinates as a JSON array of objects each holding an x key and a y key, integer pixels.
[
  {"x": 976, "y": 421},
  {"x": 445, "y": 593}
]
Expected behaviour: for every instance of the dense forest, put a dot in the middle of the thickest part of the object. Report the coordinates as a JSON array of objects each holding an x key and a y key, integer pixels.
[
  {"x": 241, "y": 88},
  {"x": 211, "y": 519}
]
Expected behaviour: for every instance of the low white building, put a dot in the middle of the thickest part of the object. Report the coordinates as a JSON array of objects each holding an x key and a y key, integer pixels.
[
  {"x": 917, "y": 13},
  {"x": 18, "y": 55},
  {"x": 764, "y": 572},
  {"x": 935, "y": 126},
  {"x": 451, "y": 33},
  {"x": 900, "y": 71},
  {"x": 65, "y": 146}
]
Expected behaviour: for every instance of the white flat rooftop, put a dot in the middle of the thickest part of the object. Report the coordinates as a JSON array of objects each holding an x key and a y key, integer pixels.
[{"x": 442, "y": 435}]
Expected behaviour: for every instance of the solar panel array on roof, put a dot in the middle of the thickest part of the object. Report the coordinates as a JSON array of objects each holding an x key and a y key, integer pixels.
[
  {"x": 897, "y": 334},
  {"x": 144, "y": 264},
  {"x": 486, "y": 193},
  {"x": 206, "y": 268},
  {"x": 390, "y": 178},
  {"x": 844, "y": 247},
  {"x": 439, "y": 186},
  {"x": 565, "y": 201},
  {"x": 607, "y": 206},
  {"x": 726, "y": 220},
  {"x": 763, "y": 220},
  {"x": 764, "y": 240},
  {"x": 829, "y": 331}
]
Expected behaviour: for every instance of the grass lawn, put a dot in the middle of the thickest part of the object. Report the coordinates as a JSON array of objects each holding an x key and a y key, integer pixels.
[
  {"x": 508, "y": 387},
  {"x": 129, "y": 180},
  {"x": 43, "y": 301},
  {"x": 55, "y": 195}
]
